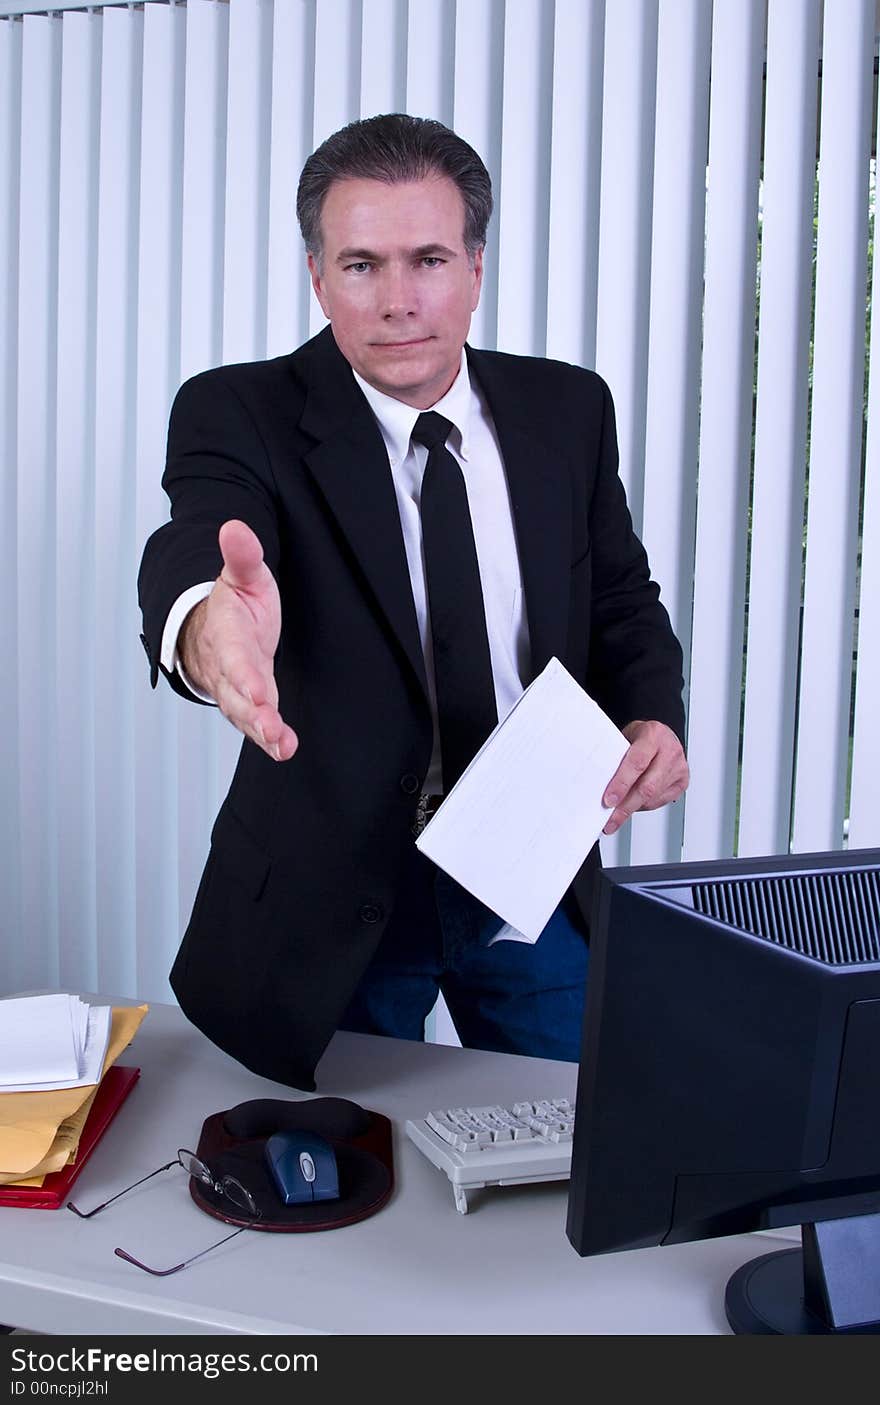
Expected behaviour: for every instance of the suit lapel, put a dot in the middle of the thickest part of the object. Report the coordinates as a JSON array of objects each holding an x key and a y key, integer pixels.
[
  {"x": 350, "y": 464},
  {"x": 540, "y": 494}
]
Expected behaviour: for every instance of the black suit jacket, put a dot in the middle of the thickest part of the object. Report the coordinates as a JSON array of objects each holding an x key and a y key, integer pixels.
[{"x": 301, "y": 877}]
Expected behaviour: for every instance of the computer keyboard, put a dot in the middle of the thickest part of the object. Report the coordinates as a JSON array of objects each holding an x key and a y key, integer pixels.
[{"x": 487, "y": 1146}]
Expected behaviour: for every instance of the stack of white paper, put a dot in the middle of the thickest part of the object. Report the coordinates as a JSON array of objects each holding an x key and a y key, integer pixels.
[
  {"x": 519, "y": 822},
  {"x": 51, "y": 1041}
]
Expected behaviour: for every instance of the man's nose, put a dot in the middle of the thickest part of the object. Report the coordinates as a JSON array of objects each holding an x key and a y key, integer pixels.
[{"x": 399, "y": 294}]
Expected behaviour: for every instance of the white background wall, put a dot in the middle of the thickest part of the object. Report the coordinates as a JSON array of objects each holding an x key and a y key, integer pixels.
[{"x": 148, "y": 166}]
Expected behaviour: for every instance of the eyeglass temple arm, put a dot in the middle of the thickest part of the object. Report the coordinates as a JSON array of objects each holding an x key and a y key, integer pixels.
[
  {"x": 163, "y": 1272},
  {"x": 87, "y": 1214}
]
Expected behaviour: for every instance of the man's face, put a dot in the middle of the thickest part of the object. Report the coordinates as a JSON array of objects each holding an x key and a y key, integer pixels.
[{"x": 397, "y": 284}]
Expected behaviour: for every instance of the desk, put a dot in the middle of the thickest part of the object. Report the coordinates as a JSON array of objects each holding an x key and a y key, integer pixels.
[{"x": 416, "y": 1267}]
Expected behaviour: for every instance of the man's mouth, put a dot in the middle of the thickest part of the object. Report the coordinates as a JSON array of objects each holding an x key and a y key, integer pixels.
[{"x": 401, "y": 345}]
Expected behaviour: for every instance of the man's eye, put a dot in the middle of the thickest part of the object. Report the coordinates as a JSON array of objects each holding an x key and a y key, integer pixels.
[
  {"x": 360, "y": 267},
  {"x": 431, "y": 261}
]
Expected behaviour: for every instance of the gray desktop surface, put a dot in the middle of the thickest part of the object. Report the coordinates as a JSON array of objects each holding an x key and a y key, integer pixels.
[{"x": 415, "y": 1267}]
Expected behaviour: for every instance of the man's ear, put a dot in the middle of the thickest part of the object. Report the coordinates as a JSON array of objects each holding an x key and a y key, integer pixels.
[
  {"x": 317, "y": 283},
  {"x": 478, "y": 279}
]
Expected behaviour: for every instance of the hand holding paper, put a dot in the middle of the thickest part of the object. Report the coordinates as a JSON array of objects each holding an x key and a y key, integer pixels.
[{"x": 520, "y": 821}]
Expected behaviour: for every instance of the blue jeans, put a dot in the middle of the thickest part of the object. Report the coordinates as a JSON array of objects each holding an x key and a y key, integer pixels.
[{"x": 513, "y": 997}]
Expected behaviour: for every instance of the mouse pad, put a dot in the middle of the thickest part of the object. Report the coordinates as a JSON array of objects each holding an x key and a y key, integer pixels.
[{"x": 232, "y": 1143}]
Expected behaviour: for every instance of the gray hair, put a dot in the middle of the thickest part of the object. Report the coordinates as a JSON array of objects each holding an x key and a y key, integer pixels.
[{"x": 394, "y": 147}]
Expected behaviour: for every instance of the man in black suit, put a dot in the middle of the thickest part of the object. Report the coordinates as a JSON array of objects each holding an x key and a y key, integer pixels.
[{"x": 379, "y": 540}]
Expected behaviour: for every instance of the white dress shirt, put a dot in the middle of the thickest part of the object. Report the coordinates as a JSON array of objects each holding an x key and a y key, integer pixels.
[{"x": 475, "y": 447}]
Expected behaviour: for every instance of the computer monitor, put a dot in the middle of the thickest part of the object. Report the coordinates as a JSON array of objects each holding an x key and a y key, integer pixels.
[{"x": 730, "y": 1077}]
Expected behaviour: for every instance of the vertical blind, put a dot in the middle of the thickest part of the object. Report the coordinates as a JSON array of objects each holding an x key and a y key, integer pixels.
[{"x": 684, "y": 202}]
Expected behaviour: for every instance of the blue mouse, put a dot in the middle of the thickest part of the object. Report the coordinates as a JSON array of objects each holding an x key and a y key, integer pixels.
[{"x": 302, "y": 1166}]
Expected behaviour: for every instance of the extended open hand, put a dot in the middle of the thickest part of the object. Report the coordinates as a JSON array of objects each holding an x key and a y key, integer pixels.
[{"x": 227, "y": 643}]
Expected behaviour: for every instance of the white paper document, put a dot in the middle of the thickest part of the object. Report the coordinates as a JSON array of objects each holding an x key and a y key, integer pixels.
[
  {"x": 519, "y": 822},
  {"x": 51, "y": 1041}
]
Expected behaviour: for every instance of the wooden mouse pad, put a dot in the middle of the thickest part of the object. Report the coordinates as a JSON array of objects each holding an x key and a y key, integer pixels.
[{"x": 232, "y": 1143}]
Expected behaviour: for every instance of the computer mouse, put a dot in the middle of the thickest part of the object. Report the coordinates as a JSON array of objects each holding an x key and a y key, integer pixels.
[{"x": 302, "y": 1166}]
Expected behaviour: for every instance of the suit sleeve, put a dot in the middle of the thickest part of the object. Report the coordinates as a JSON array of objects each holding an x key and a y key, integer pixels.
[
  {"x": 635, "y": 661},
  {"x": 217, "y": 469}
]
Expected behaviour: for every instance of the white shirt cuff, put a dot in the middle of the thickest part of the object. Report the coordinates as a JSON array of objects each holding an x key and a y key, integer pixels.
[{"x": 176, "y": 616}]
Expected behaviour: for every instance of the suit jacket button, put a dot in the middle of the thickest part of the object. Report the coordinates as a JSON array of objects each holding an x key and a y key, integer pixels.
[
  {"x": 409, "y": 783},
  {"x": 371, "y": 912}
]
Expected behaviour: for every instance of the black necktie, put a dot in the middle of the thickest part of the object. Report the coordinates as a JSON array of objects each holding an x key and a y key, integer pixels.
[{"x": 462, "y": 667}]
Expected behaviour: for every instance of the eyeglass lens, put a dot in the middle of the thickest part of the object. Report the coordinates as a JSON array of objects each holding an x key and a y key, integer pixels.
[{"x": 233, "y": 1189}]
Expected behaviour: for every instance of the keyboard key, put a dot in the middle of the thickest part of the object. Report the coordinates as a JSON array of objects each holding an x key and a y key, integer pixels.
[
  {"x": 443, "y": 1126},
  {"x": 470, "y": 1127},
  {"x": 452, "y": 1131},
  {"x": 495, "y": 1120},
  {"x": 523, "y": 1109}
]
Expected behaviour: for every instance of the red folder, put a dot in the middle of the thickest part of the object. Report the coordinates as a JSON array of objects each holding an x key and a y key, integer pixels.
[{"x": 113, "y": 1089}]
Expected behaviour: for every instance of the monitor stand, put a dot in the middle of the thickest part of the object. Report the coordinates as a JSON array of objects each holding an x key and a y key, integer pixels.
[{"x": 830, "y": 1285}]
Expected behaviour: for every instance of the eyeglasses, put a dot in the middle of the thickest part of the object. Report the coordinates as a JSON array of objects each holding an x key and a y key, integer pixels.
[{"x": 227, "y": 1186}]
